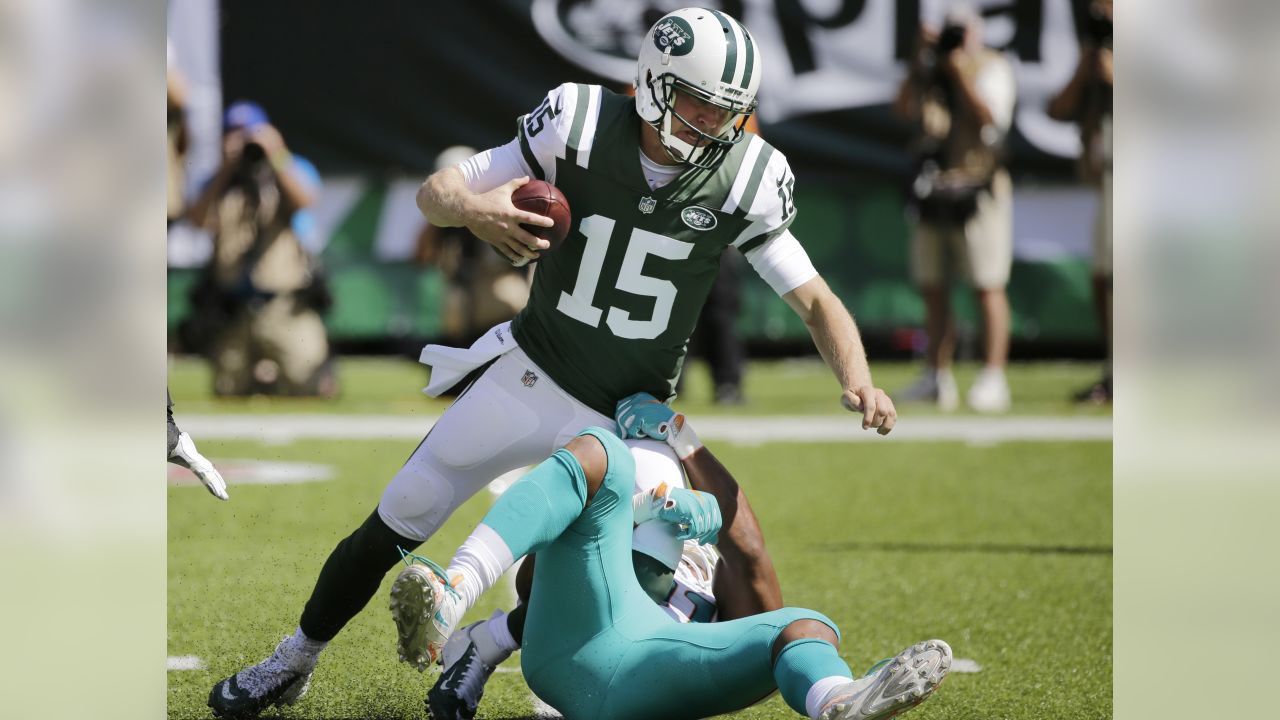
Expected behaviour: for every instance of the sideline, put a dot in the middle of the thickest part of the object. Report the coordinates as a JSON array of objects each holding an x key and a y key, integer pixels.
[{"x": 742, "y": 430}]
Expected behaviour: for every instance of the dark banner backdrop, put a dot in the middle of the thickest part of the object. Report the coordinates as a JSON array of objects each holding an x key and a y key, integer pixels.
[{"x": 384, "y": 86}]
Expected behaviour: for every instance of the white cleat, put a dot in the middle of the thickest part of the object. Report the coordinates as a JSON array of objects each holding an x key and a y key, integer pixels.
[
  {"x": 426, "y": 610},
  {"x": 895, "y": 686},
  {"x": 990, "y": 392}
]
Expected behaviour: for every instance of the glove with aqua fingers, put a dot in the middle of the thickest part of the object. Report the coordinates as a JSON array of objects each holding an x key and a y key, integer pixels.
[
  {"x": 695, "y": 514},
  {"x": 643, "y": 416}
]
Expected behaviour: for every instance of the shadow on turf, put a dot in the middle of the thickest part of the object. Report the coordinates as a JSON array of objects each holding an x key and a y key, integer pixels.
[{"x": 967, "y": 548}]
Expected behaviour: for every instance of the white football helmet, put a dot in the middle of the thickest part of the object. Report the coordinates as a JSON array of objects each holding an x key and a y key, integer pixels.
[{"x": 710, "y": 56}]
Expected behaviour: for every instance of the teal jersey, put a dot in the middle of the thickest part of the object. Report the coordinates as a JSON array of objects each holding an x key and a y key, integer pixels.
[{"x": 611, "y": 310}]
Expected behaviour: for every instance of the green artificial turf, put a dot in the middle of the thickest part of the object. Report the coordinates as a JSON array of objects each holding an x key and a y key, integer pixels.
[
  {"x": 1003, "y": 550},
  {"x": 771, "y": 387}
]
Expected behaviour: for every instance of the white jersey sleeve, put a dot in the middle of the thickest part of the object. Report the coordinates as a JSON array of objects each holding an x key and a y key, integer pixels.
[
  {"x": 764, "y": 192},
  {"x": 783, "y": 263},
  {"x": 487, "y": 170},
  {"x": 562, "y": 125}
]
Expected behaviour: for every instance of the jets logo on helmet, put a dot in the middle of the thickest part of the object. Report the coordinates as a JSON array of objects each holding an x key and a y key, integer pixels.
[
  {"x": 673, "y": 34},
  {"x": 709, "y": 56}
]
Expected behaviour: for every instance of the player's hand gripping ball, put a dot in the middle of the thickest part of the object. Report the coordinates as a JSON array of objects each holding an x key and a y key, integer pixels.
[{"x": 543, "y": 198}]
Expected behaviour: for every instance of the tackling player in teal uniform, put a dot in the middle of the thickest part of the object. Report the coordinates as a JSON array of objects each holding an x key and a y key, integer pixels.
[
  {"x": 596, "y": 645},
  {"x": 660, "y": 185}
]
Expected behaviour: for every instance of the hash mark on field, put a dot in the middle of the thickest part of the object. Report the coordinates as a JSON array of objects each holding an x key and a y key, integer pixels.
[
  {"x": 965, "y": 665},
  {"x": 184, "y": 662}
]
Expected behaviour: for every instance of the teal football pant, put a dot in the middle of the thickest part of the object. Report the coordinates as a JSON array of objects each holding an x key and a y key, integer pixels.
[{"x": 595, "y": 645}]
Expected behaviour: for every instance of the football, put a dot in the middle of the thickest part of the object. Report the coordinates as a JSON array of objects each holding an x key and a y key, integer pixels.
[{"x": 543, "y": 198}]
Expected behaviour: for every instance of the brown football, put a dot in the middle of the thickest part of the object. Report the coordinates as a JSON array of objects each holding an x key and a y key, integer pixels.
[{"x": 543, "y": 198}]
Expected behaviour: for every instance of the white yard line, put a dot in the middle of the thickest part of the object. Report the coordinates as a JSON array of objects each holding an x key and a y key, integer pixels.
[
  {"x": 184, "y": 662},
  {"x": 743, "y": 430},
  {"x": 965, "y": 665}
]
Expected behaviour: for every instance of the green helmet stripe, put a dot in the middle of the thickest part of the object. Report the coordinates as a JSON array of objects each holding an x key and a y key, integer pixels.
[
  {"x": 753, "y": 183},
  {"x": 751, "y": 52},
  {"x": 731, "y": 52},
  {"x": 579, "y": 120}
]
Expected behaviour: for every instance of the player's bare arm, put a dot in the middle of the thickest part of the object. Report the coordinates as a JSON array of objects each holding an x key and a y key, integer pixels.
[
  {"x": 838, "y": 341},
  {"x": 445, "y": 201},
  {"x": 746, "y": 583}
]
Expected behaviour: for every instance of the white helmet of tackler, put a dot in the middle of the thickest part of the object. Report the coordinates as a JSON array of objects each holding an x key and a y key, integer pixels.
[{"x": 710, "y": 56}]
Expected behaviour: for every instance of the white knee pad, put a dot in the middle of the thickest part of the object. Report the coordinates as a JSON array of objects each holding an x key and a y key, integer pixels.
[{"x": 419, "y": 498}]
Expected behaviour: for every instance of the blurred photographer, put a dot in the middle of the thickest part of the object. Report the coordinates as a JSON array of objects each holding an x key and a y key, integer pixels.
[
  {"x": 960, "y": 96},
  {"x": 1086, "y": 100},
  {"x": 483, "y": 288},
  {"x": 259, "y": 302}
]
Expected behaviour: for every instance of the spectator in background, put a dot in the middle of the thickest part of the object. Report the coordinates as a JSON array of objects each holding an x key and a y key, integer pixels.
[
  {"x": 483, "y": 287},
  {"x": 960, "y": 94},
  {"x": 1086, "y": 100},
  {"x": 176, "y": 140},
  {"x": 182, "y": 449},
  {"x": 261, "y": 297}
]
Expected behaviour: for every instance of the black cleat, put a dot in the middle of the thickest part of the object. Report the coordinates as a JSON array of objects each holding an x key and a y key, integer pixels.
[
  {"x": 457, "y": 692},
  {"x": 281, "y": 679}
]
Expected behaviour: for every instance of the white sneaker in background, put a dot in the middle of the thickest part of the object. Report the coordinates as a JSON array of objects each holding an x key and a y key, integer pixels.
[
  {"x": 933, "y": 385},
  {"x": 990, "y": 392}
]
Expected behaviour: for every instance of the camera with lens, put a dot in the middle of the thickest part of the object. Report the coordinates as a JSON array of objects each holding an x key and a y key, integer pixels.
[
  {"x": 1098, "y": 28},
  {"x": 253, "y": 153},
  {"x": 951, "y": 38}
]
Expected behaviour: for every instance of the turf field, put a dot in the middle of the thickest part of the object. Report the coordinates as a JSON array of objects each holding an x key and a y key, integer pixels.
[{"x": 1002, "y": 549}]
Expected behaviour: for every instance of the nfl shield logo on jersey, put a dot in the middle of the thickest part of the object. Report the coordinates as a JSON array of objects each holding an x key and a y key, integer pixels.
[
  {"x": 529, "y": 378},
  {"x": 647, "y": 204}
]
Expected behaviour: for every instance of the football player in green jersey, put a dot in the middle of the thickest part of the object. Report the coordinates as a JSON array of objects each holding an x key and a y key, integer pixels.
[{"x": 660, "y": 186}]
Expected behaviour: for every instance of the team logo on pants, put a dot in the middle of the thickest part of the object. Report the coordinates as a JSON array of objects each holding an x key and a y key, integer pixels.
[{"x": 529, "y": 378}]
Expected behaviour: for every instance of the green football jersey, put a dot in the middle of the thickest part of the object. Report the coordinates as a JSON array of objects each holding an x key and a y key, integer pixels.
[{"x": 611, "y": 310}]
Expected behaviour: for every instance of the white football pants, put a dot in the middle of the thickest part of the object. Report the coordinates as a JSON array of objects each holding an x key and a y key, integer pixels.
[{"x": 512, "y": 416}]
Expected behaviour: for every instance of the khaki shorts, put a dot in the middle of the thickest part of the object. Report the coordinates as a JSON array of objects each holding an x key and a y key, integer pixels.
[
  {"x": 282, "y": 330},
  {"x": 983, "y": 248},
  {"x": 1103, "y": 229}
]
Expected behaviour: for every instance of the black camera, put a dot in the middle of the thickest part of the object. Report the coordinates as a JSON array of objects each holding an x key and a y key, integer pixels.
[
  {"x": 253, "y": 153},
  {"x": 951, "y": 38},
  {"x": 1098, "y": 28}
]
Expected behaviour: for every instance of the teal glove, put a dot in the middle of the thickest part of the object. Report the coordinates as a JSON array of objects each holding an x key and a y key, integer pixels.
[
  {"x": 642, "y": 415},
  {"x": 695, "y": 513}
]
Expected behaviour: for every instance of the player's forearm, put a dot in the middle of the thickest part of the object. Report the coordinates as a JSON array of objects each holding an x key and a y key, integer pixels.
[
  {"x": 295, "y": 192},
  {"x": 198, "y": 213},
  {"x": 839, "y": 343},
  {"x": 747, "y": 562},
  {"x": 444, "y": 198}
]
